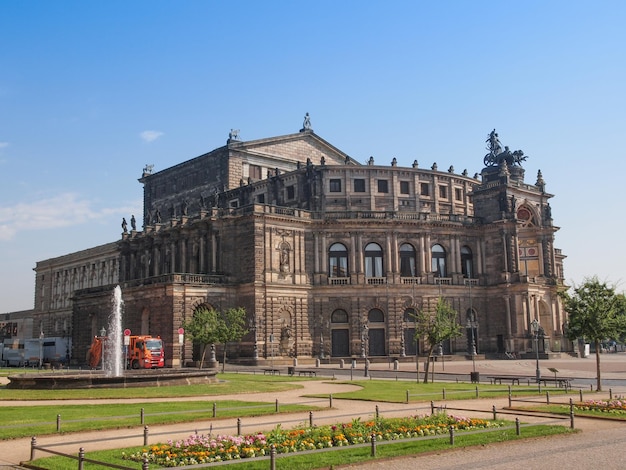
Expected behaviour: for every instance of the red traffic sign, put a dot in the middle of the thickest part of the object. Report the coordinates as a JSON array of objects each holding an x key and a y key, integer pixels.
[
  {"x": 126, "y": 332},
  {"x": 181, "y": 331}
]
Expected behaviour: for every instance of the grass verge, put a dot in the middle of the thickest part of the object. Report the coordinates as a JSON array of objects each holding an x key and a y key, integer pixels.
[
  {"x": 229, "y": 384},
  {"x": 41, "y": 420},
  {"x": 396, "y": 392}
]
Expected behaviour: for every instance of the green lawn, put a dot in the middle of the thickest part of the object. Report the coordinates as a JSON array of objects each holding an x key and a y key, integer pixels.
[
  {"x": 396, "y": 391},
  {"x": 229, "y": 384},
  {"x": 563, "y": 409},
  {"x": 37, "y": 420}
]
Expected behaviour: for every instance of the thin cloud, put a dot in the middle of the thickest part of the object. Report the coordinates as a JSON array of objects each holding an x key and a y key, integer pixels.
[
  {"x": 150, "y": 136},
  {"x": 4, "y": 145},
  {"x": 62, "y": 210}
]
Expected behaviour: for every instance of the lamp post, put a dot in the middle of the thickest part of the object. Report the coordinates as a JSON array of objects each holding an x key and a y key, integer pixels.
[
  {"x": 103, "y": 333},
  {"x": 253, "y": 325},
  {"x": 364, "y": 348},
  {"x": 471, "y": 324},
  {"x": 41, "y": 336},
  {"x": 535, "y": 328}
]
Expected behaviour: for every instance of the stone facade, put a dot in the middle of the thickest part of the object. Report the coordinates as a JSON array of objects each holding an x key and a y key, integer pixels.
[{"x": 330, "y": 258}]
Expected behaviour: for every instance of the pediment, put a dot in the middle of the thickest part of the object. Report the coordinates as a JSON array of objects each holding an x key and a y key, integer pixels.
[{"x": 296, "y": 148}]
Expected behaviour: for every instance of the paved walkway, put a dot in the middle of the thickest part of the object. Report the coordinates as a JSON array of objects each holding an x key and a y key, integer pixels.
[{"x": 614, "y": 368}]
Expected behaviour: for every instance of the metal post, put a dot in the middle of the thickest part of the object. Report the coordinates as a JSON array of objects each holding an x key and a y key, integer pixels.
[
  {"x": 58, "y": 423},
  {"x": 239, "y": 426},
  {"x": 451, "y": 435},
  {"x": 517, "y": 427},
  {"x": 330, "y": 400},
  {"x": 272, "y": 457},
  {"x": 377, "y": 413},
  {"x": 81, "y": 458},
  {"x": 495, "y": 416},
  {"x": 33, "y": 445},
  {"x": 145, "y": 435},
  {"x": 277, "y": 408},
  {"x": 214, "y": 409},
  {"x": 571, "y": 413},
  {"x": 373, "y": 445},
  {"x": 310, "y": 419},
  {"x": 142, "y": 415}
]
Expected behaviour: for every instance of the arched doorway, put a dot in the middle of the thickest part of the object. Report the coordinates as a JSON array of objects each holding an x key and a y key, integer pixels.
[
  {"x": 376, "y": 333},
  {"x": 411, "y": 345},
  {"x": 340, "y": 334}
]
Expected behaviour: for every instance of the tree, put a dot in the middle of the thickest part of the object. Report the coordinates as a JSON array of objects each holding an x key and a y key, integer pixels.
[
  {"x": 596, "y": 313},
  {"x": 436, "y": 328},
  {"x": 232, "y": 327},
  {"x": 203, "y": 328}
]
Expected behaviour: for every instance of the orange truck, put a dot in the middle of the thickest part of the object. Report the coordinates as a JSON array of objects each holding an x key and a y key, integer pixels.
[
  {"x": 142, "y": 352},
  {"x": 145, "y": 352}
]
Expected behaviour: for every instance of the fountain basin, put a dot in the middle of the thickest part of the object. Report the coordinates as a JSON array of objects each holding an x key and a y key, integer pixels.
[{"x": 99, "y": 379}]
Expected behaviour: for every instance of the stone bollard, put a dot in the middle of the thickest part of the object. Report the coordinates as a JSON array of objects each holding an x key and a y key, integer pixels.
[
  {"x": 295, "y": 362},
  {"x": 317, "y": 362},
  {"x": 341, "y": 364},
  {"x": 396, "y": 365}
]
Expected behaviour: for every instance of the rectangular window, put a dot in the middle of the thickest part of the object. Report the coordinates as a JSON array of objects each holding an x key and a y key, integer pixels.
[
  {"x": 458, "y": 194},
  {"x": 291, "y": 192},
  {"x": 255, "y": 172},
  {"x": 443, "y": 192},
  {"x": 335, "y": 186},
  {"x": 383, "y": 186},
  {"x": 404, "y": 187},
  {"x": 359, "y": 185},
  {"x": 424, "y": 189},
  {"x": 260, "y": 199}
]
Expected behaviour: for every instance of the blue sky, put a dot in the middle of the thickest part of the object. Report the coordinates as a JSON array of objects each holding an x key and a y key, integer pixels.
[{"x": 91, "y": 92}]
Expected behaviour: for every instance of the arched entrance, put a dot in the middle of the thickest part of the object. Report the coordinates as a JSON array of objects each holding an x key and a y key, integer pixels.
[
  {"x": 376, "y": 339},
  {"x": 411, "y": 345},
  {"x": 340, "y": 334}
]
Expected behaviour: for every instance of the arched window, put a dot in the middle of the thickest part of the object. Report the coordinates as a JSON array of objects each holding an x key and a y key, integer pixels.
[
  {"x": 339, "y": 316},
  {"x": 438, "y": 261},
  {"x": 338, "y": 260},
  {"x": 409, "y": 315},
  {"x": 525, "y": 217},
  {"x": 376, "y": 316},
  {"x": 410, "y": 343},
  {"x": 467, "y": 263},
  {"x": 373, "y": 260},
  {"x": 407, "y": 260}
]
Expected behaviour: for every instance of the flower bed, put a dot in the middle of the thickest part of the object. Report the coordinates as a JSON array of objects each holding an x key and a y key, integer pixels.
[
  {"x": 616, "y": 406},
  {"x": 197, "y": 449}
]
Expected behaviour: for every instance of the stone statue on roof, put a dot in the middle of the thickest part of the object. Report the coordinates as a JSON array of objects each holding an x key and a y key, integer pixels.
[
  {"x": 497, "y": 156},
  {"x": 306, "y": 126}
]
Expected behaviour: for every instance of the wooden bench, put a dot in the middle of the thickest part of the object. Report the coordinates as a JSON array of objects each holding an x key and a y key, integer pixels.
[
  {"x": 271, "y": 371},
  {"x": 561, "y": 382},
  {"x": 310, "y": 373},
  {"x": 497, "y": 379}
]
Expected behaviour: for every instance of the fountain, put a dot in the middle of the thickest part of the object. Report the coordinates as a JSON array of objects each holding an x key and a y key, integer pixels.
[
  {"x": 113, "y": 358},
  {"x": 112, "y": 374}
]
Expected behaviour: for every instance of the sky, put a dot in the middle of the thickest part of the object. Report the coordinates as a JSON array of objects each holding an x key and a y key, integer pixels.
[{"x": 91, "y": 92}]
